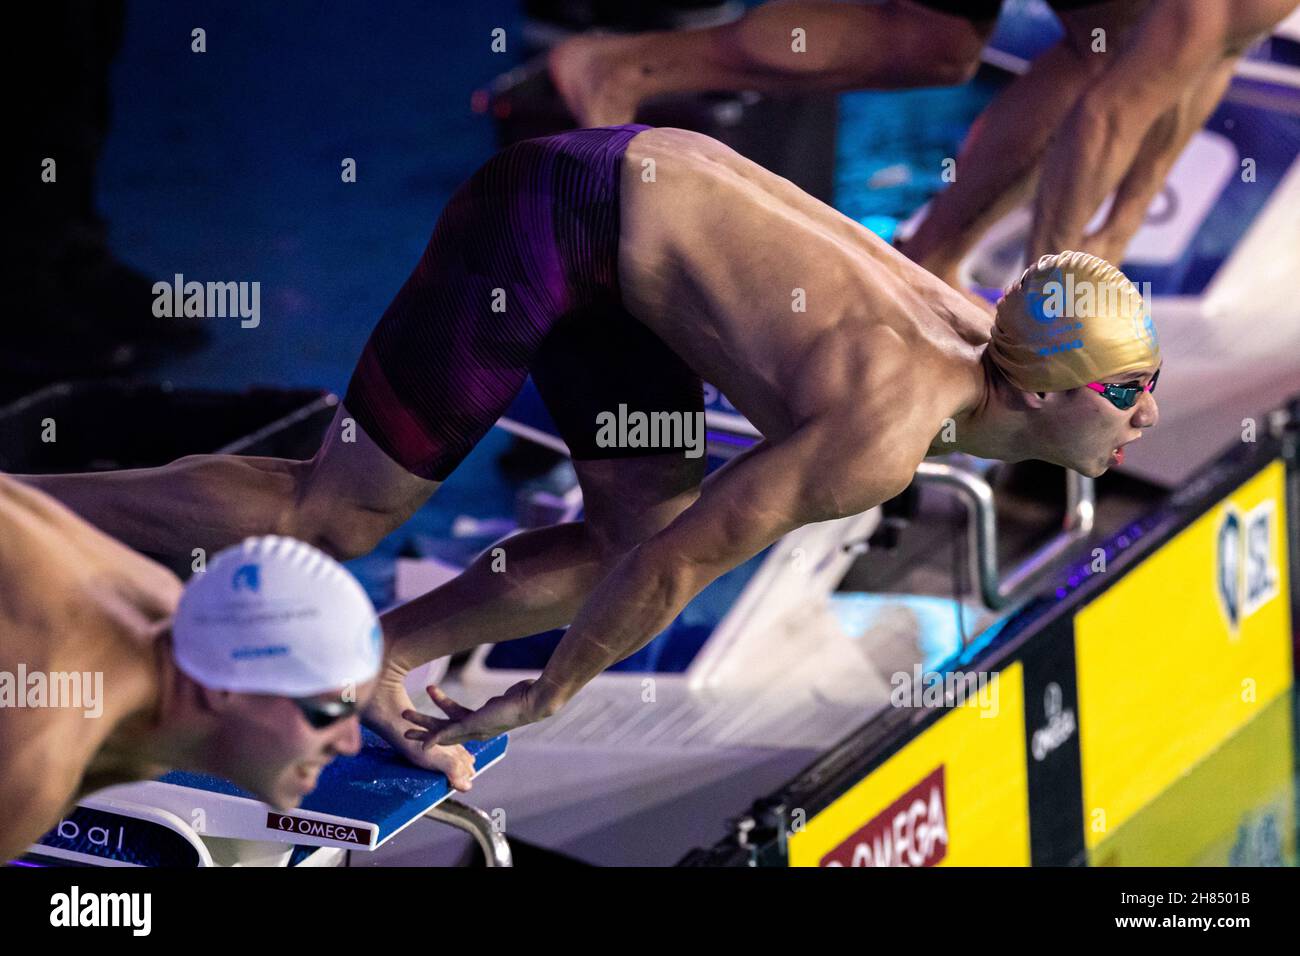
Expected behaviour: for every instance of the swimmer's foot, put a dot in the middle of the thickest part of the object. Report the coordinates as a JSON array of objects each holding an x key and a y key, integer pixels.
[
  {"x": 596, "y": 76},
  {"x": 384, "y": 717}
]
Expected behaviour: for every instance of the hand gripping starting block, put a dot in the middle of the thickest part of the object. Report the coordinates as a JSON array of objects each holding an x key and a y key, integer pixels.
[{"x": 185, "y": 819}]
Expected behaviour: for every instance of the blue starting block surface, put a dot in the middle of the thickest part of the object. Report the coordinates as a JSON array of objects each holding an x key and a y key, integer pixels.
[
  {"x": 359, "y": 803},
  {"x": 378, "y": 790}
]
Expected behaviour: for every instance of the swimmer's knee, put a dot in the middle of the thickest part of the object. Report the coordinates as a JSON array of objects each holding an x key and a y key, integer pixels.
[
  {"x": 342, "y": 529},
  {"x": 342, "y": 532}
]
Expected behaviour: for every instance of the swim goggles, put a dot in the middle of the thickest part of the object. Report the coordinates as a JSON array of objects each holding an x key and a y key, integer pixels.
[
  {"x": 1124, "y": 396},
  {"x": 321, "y": 714}
]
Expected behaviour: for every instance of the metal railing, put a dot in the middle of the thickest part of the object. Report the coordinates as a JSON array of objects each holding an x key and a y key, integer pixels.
[
  {"x": 995, "y": 591},
  {"x": 477, "y": 823}
]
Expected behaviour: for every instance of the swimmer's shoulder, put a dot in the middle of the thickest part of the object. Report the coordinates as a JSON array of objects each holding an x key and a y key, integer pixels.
[
  {"x": 43, "y": 529},
  {"x": 30, "y": 522},
  {"x": 40, "y": 768},
  {"x": 17, "y": 497},
  {"x": 65, "y": 584}
]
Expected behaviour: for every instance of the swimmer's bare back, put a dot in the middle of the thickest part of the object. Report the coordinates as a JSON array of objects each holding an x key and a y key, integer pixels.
[
  {"x": 72, "y": 601},
  {"x": 796, "y": 312},
  {"x": 845, "y": 356}
]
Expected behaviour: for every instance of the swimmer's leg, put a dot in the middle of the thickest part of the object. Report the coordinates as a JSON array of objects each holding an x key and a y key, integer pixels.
[
  {"x": 201, "y": 501},
  {"x": 344, "y": 500},
  {"x": 592, "y": 360},
  {"x": 849, "y": 46},
  {"x": 535, "y": 227}
]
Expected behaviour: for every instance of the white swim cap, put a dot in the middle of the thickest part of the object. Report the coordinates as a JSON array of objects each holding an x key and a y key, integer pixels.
[{"x": 276, "y": 616}]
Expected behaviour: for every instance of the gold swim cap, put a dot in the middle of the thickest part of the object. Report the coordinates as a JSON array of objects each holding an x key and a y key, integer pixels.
[{"x": 1069, "y": 320}]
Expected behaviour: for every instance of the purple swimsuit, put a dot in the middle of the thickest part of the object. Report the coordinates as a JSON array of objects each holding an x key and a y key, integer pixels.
[{"x": 520, "y": 276}]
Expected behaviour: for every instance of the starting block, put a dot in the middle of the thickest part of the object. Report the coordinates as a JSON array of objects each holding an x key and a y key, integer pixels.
[{"x": 185, "y": 819}]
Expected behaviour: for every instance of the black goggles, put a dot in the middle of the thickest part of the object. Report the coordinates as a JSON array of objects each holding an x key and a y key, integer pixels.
[{"x": 321, "y": 714}]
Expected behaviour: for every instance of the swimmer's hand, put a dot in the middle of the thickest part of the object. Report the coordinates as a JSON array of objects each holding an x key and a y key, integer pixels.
[
  {"x": 384, "y": 715},
  {"x": 515, "y": 708}
]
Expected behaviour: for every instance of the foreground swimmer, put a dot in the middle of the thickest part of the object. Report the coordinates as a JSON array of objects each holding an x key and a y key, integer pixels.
[
  {"x": 257, "y": 679},
  {"x": 1107, "y": 109},
  {"x": 620, "y": 266}
]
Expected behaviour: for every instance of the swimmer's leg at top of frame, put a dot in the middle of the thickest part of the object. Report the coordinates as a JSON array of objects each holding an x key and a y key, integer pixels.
[
  {"x": 889, "y": 45},
  {"x": 1083, "y": 123}
]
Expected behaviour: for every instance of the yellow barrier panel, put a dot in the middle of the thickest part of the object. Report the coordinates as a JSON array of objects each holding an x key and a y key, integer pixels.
[
  {"x": 1183, "y": 651},
  {"x": 1235, "y": 808},
  {"x": 956, "y": 795}
]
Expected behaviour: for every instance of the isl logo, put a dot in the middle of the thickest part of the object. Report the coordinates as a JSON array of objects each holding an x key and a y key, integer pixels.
[{"x": 1246, "y": 574}]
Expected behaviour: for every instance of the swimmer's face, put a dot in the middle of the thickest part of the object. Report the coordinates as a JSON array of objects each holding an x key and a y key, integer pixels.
[
  {"x": 1088, "y": 433},
  {"x": 276, "y": 754}
]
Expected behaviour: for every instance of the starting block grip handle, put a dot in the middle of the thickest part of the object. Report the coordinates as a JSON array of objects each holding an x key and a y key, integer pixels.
[{"x": 475, "y": 822}]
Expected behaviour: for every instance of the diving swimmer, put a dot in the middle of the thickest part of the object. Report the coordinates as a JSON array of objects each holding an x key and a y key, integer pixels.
[{"x": 622, "y": 266}]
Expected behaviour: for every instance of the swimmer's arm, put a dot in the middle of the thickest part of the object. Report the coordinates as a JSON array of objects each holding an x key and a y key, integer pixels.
[
  {"x": 1167, "y": 138},
  {"x": 1096, "y": 145},
  {"x": 742, "y": 509},
  {"x": 997, "y": 165},
  {"x": 1160, "y": 150}
]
